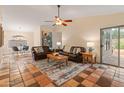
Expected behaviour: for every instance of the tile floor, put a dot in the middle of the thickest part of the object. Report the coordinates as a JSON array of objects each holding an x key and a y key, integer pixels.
[{"x": 14, "y": 73}]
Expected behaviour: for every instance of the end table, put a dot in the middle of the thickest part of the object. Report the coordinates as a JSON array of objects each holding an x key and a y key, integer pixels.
[{"x": 89, "y": 57}]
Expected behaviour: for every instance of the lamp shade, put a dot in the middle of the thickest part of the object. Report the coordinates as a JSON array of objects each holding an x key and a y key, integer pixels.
[
  {"x": 90, "y": 44},
  {"x": 58, "y": 43}
]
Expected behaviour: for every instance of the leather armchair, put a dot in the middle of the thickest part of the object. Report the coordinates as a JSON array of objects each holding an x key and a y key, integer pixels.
[{"x": 40, "y": 52}]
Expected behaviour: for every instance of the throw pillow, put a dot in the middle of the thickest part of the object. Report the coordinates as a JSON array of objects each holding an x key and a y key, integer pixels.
[
  {"x": 78, "y": 50},
  {"x": 67, "y": 48},
  {"x": 36, "y": 50},
  {"x": 40, "y": 49},
  {"x": 74, "y": 50}
]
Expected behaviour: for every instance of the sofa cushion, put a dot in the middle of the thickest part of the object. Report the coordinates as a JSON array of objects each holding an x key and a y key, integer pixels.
[
  {"x": 36, "y": 50},
  {"x": 74, "y": 50},
  {"x": 72, "y": 55},
  {"x": 78, "y": 50},
  {"x": 40, "y": 49},
  {"x": 46, "y": 49}
]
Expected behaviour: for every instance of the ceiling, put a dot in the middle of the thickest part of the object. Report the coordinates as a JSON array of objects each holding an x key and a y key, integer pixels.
[{"x": 29, "y": 18}]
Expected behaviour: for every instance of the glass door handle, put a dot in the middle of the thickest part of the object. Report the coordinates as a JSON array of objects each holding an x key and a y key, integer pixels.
[{"x": 101, "y": 45}]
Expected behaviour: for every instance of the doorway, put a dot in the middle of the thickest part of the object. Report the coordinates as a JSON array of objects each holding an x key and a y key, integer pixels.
[{"x": 112, "y": 46}]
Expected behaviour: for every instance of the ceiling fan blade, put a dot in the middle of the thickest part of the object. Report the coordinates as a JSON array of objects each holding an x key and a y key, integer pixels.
[
  {"x": 53, "y": 24},
  {"x": 48, "y": 21},
  {"x": 56, "y": 17},
  {"x": 67, "y": 20},
  {"x": 64, "y": 24}
]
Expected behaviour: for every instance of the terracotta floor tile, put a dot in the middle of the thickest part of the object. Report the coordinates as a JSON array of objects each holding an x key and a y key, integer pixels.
[
  {"x": 17, "y": 72},
  {"x": 27, "y": 77},
  {"x": 93, "y": 79},
  {"x": 38, "y": 78},
  {"x": 29, "y": 82},
  {"x": 83, "y": 75},
  {"x": 18, "y": 80},
  {"x": 33, "y": 70},
  {"x": 65, "y": 85},
  {"x": 71, "y": 83},
  {"x": 4, "y": 73},
  {"x": 87, "y": 83},
  {"x": 50, "y": 85},
  {"x": 95, "y": 75},
  {"x": 44, "y": 81},
  {"x": 14, "y": 77},
  {"x": 14, "y": 71},
  {"x": 34, "y": 85},
  {"x": 25, "y": 70},
  {"x": 4, "y": 82},
  {"x": 25, "y": 73},
  {"x": 22, "y": 69},
  {"x": 78, "y": 79},
  {"x": 37, "y": 74},
  {"x": 11, "y": 83},
  {"x": 29, "y": 66},
  {"x": 4, "y": 76},
  {"x": 80, "y": 85},
  {"x": 19, "y": 85}
]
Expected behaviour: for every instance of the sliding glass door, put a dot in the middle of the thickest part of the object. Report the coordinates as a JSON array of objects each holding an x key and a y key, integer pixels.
[
  {"x": 122, "y": 46},
  {"x": 112, "y": 46}
]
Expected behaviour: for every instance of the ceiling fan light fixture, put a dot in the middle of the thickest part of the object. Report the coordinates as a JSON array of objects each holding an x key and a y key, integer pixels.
[{"x": 58, "y": 22}]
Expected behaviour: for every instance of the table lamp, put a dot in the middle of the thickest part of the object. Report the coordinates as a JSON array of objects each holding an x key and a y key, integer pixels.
[
  {"x": 58, "y": 44},
  {"x": 90, "y": 46}
]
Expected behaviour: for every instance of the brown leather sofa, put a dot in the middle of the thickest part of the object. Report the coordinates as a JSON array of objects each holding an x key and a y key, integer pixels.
[
  {"x": 74, "y": 54},
  {"x": 40, "y": 52}
]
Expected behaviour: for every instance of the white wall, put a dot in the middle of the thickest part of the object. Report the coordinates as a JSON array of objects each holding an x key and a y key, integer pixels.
[
  {"x": 0, "y": 47},
  {"x": 37, "y": 38},
  {"x": 86, "y": 29},
  {"x": 56, "y": 37}
]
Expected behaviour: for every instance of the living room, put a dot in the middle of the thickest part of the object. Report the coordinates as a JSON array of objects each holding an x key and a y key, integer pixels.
[{"x": 31, "y": 26}]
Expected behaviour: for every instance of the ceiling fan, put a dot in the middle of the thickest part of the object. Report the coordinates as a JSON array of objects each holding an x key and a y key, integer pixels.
[{"x": 58, "y": 20}]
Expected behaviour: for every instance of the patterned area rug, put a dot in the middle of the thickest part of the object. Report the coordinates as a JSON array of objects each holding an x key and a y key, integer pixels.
[{"x": 60, "y": 74}]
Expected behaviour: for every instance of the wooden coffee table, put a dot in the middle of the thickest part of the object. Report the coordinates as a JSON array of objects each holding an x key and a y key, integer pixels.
[{"x": 58, "y": 58}]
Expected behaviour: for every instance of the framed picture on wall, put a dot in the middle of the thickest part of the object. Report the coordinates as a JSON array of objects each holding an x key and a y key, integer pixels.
[
  {"x": 47, "y": 39},
  {"x": 1, "y": 36}
]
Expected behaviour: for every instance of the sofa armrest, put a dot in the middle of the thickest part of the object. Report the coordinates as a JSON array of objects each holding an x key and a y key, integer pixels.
[{"x": 63, "y": 53}]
